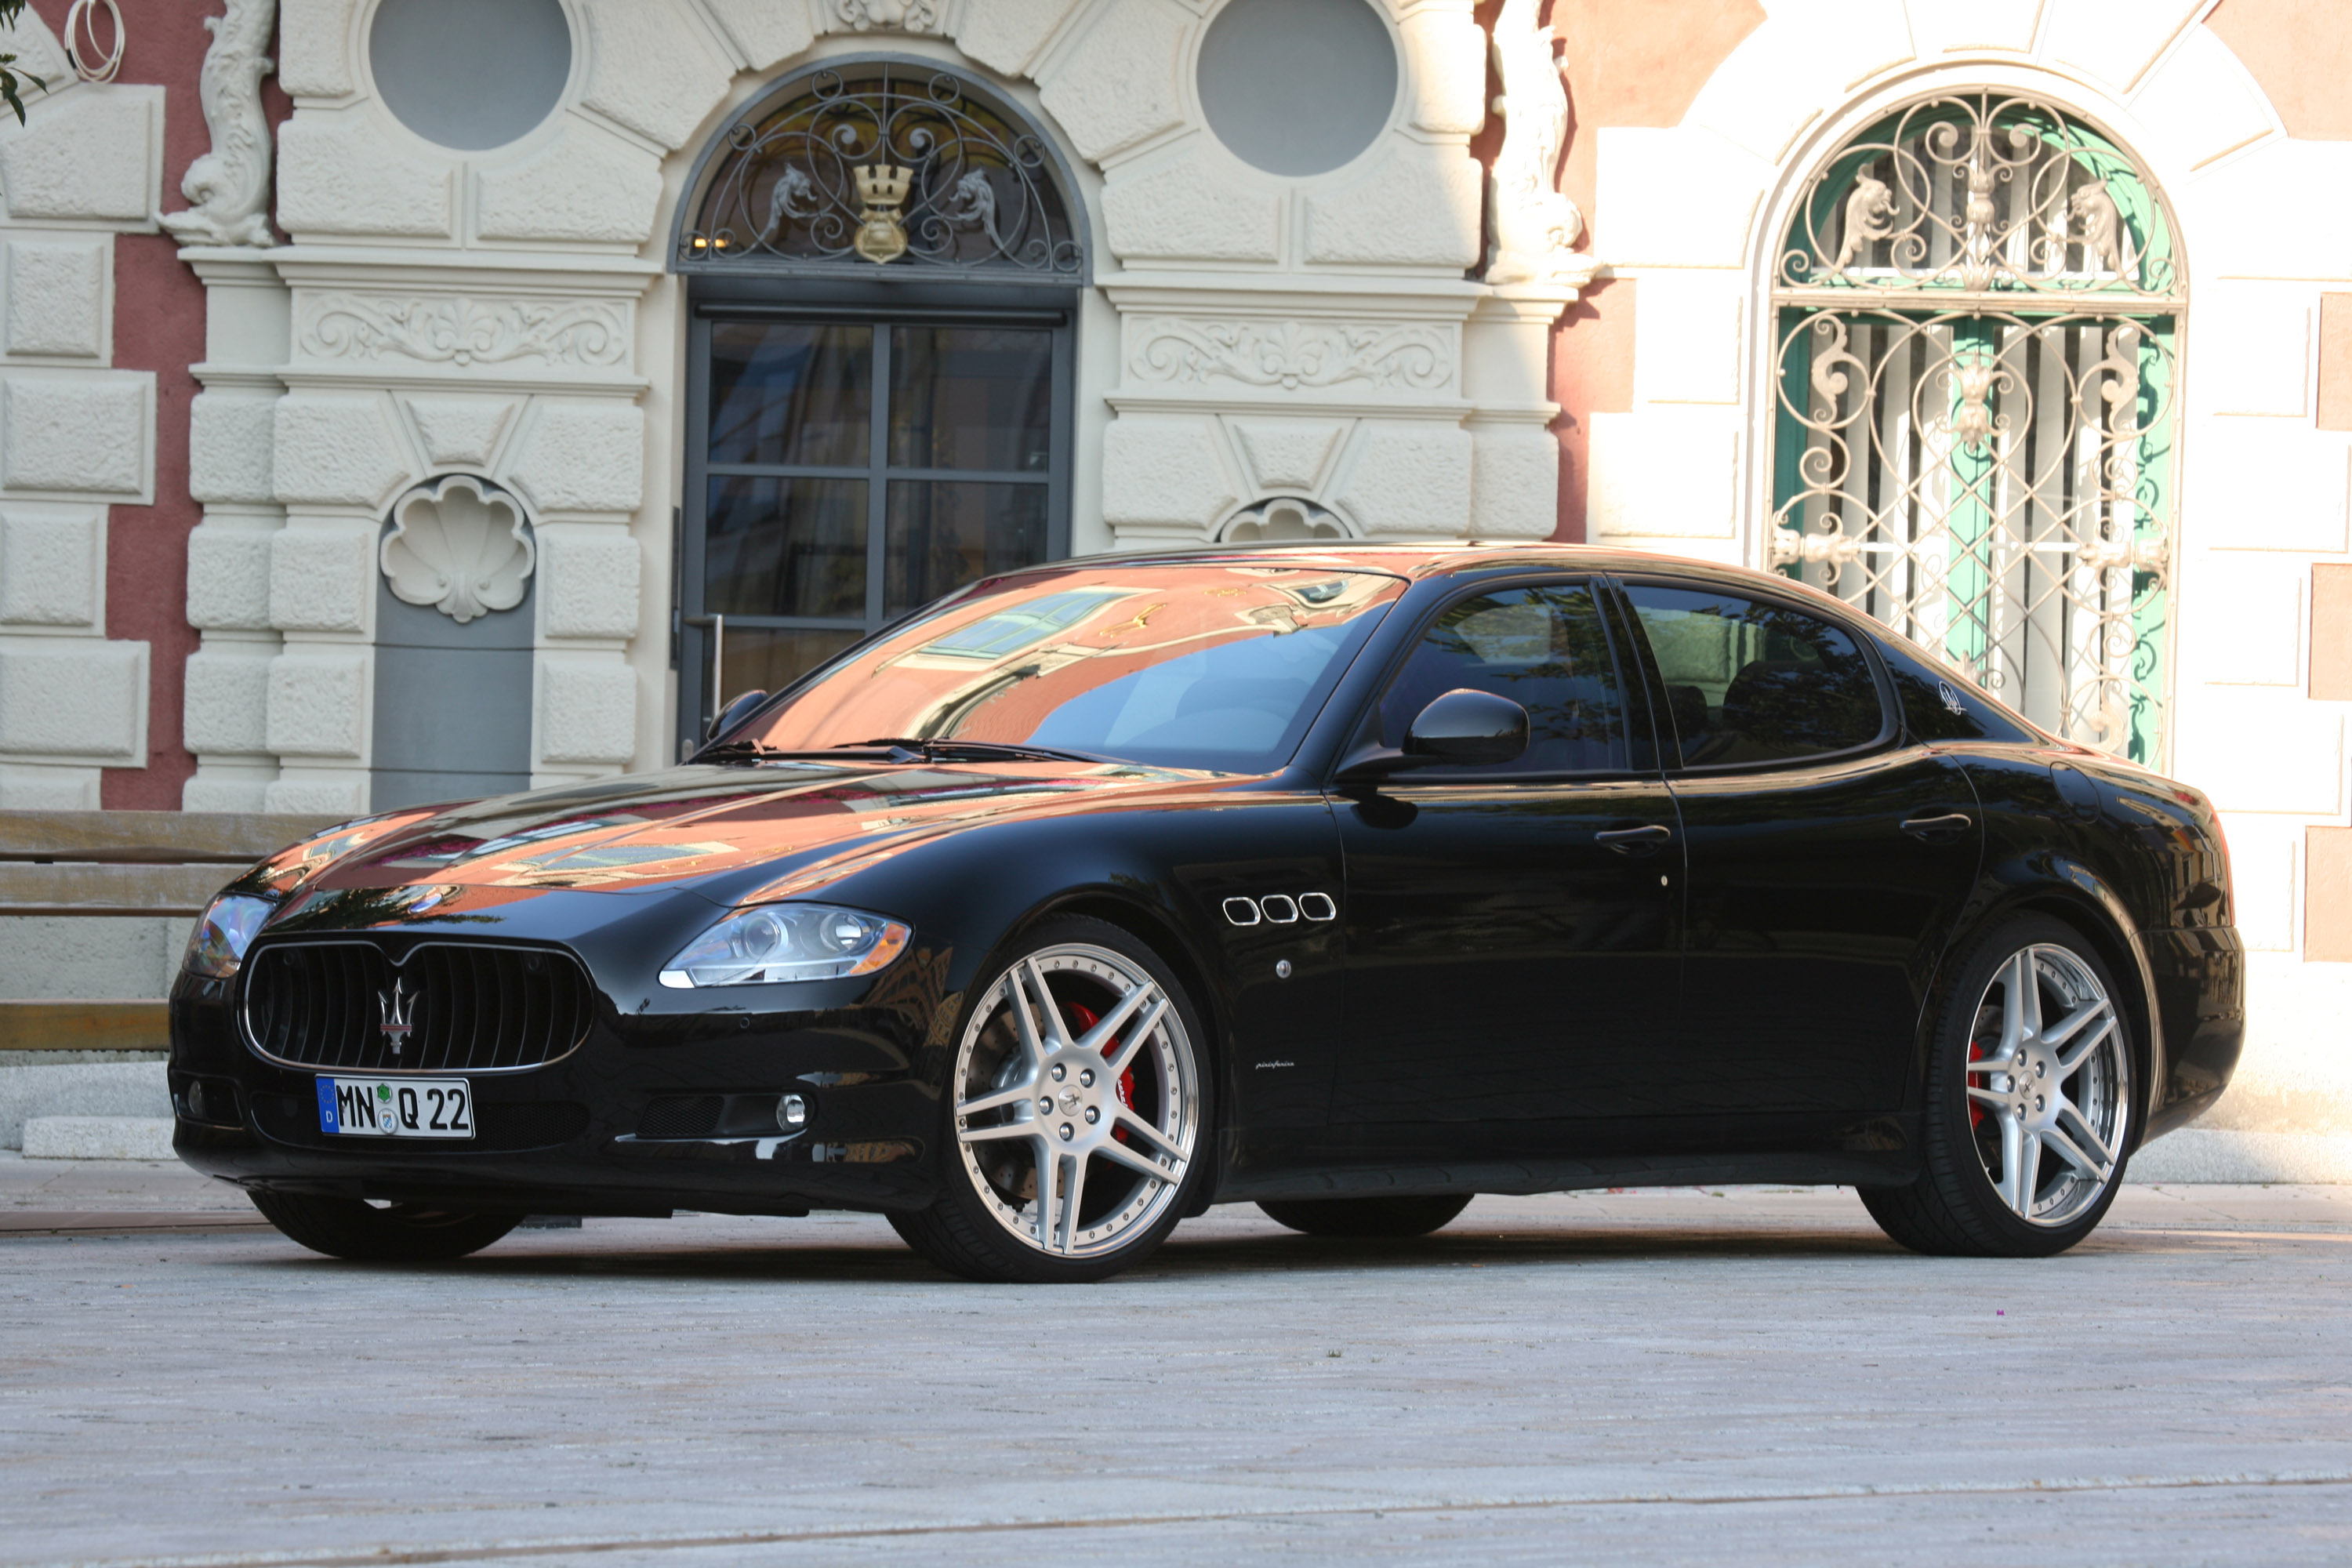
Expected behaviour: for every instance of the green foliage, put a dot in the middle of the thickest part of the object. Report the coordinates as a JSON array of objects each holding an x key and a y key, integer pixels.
[{"x": 11, "y": 79}]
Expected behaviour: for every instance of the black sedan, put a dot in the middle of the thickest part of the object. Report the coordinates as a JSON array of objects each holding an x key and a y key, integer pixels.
[{"x": 1348, "y": 881}]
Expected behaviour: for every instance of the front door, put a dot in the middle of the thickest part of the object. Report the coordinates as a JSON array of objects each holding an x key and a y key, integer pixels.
[
  {"x": 1828, "y": 860},
  {"x": 845, "y": 469},
  {"x": 1512, "y": 946}
]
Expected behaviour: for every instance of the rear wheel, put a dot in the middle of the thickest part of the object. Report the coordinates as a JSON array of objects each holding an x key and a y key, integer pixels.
[
  {"x": 1078, "y": 1112},
  {"x": 393, "y": 1233},
  {"x": 1367, "y": 1219},
  {"x": 2029, "y": 1102}
]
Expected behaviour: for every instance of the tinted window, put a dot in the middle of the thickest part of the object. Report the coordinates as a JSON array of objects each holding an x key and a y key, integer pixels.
[
  {"x": 1545, "y": 649},
  {"x": 1752, "y": 680},
  {"x": 1938, "y": 705}
]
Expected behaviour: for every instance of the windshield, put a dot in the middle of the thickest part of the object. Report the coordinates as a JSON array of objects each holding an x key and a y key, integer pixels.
[{"x": 1215, "y": 666}]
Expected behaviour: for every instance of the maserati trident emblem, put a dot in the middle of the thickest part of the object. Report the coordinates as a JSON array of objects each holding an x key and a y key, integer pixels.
[{"x": 396, "y": 1009}]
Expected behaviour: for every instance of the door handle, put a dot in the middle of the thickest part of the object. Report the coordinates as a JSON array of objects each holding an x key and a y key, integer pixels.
[
  {"x": 1940, "y": 829},
  {"x": 1635, "y": 840}
]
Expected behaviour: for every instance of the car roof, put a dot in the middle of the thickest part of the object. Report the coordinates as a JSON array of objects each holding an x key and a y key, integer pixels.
[{"x": 1439, "y": 558}]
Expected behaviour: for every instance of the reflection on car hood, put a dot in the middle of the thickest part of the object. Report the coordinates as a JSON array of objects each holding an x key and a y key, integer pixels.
[{"x": 657, "y": 831}]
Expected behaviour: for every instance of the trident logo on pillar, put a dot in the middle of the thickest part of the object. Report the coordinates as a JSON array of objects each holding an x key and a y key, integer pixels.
[
  {"x": 396, "y": 1009},
  {"x": 882, "y": 237}
]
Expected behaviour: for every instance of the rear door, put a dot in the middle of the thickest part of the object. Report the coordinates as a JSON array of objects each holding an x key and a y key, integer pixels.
[{"x": 1827, "y": 857}]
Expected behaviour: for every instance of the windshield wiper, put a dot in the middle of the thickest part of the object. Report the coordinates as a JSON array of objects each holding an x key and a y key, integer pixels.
[{"x": 934, "y": 749}]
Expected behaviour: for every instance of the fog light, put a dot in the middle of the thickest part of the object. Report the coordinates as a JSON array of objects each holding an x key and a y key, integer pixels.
[{"x": 792, "y": 1113}]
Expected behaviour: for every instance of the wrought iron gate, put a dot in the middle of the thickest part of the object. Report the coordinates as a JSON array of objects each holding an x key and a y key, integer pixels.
[{"x": 1976, "y": 320}]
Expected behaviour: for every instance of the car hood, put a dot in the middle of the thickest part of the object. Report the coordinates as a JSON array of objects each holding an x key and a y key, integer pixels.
[{"x": 736, "y": 834}]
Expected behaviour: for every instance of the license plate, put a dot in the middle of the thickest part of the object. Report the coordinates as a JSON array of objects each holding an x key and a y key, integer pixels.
[{"x": 396, "y": 1107}]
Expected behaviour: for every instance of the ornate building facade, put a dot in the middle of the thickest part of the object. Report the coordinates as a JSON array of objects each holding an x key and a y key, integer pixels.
[{"x": 402, "y": 399}]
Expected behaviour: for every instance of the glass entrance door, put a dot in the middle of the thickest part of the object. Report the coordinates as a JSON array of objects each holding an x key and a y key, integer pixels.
[{"x": 845, "y": 470}]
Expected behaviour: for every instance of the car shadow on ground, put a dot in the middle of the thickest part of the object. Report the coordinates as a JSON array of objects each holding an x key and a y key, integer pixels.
[{"x": 772, "y": 1255}]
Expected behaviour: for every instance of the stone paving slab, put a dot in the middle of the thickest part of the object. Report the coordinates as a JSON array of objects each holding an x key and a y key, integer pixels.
[{"x": 1643, "y": 1376}]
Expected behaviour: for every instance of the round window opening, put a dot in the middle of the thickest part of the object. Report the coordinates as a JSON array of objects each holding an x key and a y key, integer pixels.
[
  {"x": 470, "y": 74},
  {"x": 1298, "y": 87}
]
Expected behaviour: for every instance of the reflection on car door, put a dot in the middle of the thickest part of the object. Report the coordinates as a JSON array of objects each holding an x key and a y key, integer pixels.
[
  {"x": 1507, "y": 966},
  {"x": 1828, "y": 860}
]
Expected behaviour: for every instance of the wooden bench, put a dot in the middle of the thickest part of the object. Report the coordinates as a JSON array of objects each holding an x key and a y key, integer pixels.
[{"x": 144, "y": 863}]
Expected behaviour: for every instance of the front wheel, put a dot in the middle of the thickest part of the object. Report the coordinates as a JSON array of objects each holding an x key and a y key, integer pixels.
[
  {"x": 1077, "y": 1113},
  {"x": 2029, "y": 1102},
  {"x": 394, "y": 1233}
]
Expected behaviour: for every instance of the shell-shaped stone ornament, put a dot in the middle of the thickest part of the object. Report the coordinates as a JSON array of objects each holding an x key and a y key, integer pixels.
[{"x": 459, "y": 546}]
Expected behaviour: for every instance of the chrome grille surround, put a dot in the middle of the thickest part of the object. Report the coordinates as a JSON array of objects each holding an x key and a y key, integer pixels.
[{"x": 471, "y": 1007}]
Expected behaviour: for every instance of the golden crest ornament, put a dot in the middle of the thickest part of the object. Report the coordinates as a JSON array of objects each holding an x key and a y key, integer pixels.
[{"x": 882, "y": 187}]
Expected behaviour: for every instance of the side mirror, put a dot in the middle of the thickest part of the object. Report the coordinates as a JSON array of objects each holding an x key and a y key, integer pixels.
[
  {"x": 734, "y": 714},
  {"x": 1473, "y": 728}
]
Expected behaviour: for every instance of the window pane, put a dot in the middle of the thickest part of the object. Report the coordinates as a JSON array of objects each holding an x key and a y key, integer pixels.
[
  {"x": 766, "y": 658},
  {"x": 944, "y": 535},
  {"x": 970, "y": 397},
  {"x": 791, "y": 394},
  {"x": 1545, "y": 649},
  {"x": 785, "y": 547},
  {"x": 1750, "y": 680}
]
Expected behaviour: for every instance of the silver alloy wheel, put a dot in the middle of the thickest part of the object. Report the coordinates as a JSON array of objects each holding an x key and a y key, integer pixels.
[
  {"x": 1080, "y": 1099},
  {"x": 2042, "y": 1089}
]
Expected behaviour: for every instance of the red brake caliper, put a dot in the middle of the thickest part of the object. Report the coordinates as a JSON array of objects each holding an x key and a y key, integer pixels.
[
  {"x": 1086, "y": 1018},
  {"x": 1976, "y": 1111}
]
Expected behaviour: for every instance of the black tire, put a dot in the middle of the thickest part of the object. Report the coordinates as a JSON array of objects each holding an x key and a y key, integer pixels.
[
  {"x": 967, "y": 1230},
  {"x": 1386, "y": 1219},
  {"x": 400, "y": 1233},
  {"x": 1955, "y": 1208}
]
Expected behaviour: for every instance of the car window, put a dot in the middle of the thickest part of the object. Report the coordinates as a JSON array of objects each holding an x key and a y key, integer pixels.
[
  {"x": 1754, "y": 680},
  {"x": 1210, "y": 665},
  {"x": 1938, "y": 705},
  {"x": 1544, "y": 649}
]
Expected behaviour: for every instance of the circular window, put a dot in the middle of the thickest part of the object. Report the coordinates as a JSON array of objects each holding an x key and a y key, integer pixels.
[
  {"x": 470, "y": 74},
  {"x": 1298, "y": 87}
]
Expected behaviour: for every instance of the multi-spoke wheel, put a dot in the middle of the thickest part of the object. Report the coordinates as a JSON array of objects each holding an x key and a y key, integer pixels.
[
  {"x": 2029, "y": 1104},
  {"x": 1078, "y": 1110}
]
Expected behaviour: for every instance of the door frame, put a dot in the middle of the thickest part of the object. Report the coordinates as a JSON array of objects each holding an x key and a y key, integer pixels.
[{"x": 881, "y": 302}]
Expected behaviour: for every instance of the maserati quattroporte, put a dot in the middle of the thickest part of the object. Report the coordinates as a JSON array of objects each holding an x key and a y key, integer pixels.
[{"x": 1351, "y": 881}]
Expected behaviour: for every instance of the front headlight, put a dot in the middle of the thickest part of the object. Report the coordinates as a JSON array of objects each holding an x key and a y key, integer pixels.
[
  {"x": 225, "y": 930},
  {"x": 777, "y": 942}
]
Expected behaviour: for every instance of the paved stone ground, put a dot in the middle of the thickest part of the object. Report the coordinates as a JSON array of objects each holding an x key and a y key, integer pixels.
[{"x": 1663, "y": 1376}]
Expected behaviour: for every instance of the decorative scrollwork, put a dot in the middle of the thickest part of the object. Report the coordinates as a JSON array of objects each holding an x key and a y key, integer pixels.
[
  {"x": 878, "y": 165},
  {"x": 1992, "y": 484},
  {"x": 1982, "y": 192},
  {"x": 1290, "y": 355},
  {"x": 230, "y": 183},
  {"x": 461, "y": 331}
]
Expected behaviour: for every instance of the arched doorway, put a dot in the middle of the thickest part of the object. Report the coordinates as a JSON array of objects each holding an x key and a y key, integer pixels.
[
  {"x": 882, "y": 271},
  {"x": 1976, "y": 311}
]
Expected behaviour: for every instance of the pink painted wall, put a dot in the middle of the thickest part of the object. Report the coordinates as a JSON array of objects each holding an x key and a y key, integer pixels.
[{"x": 159, "y": 325}]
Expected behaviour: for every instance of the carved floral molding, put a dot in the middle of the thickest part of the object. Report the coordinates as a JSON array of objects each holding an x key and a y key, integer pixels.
[
  {"x": 1291, "y": 355},
  {"x": 889, "y": 15},
  {"x": 459, "y": 331}
]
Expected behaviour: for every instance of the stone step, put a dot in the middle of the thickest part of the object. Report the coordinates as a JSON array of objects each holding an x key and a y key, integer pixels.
[{"x": 99, "y": 1138}]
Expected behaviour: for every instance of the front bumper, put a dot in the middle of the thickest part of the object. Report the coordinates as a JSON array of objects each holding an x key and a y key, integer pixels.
[{"x": 568, "y": 1137}]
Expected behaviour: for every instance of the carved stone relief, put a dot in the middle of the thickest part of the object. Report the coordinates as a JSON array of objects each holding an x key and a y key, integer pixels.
[
  {"x": 460, "y": 331},
  {"x": 1291, "y": 355},
  {"x": 1531, "y": 228},
  {"x": 459, "y": 546},
  {"x": 889, "y": 15},
  {"x": 1284, "y": 517},
  {"x": 230, "y": 185}
]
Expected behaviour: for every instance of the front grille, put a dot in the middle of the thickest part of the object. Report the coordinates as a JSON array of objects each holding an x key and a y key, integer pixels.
[
  {"x": 500, "y": 1127},
  {"x": 685, "y": 1116},
  {"x": 469, "y": 1008}
]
